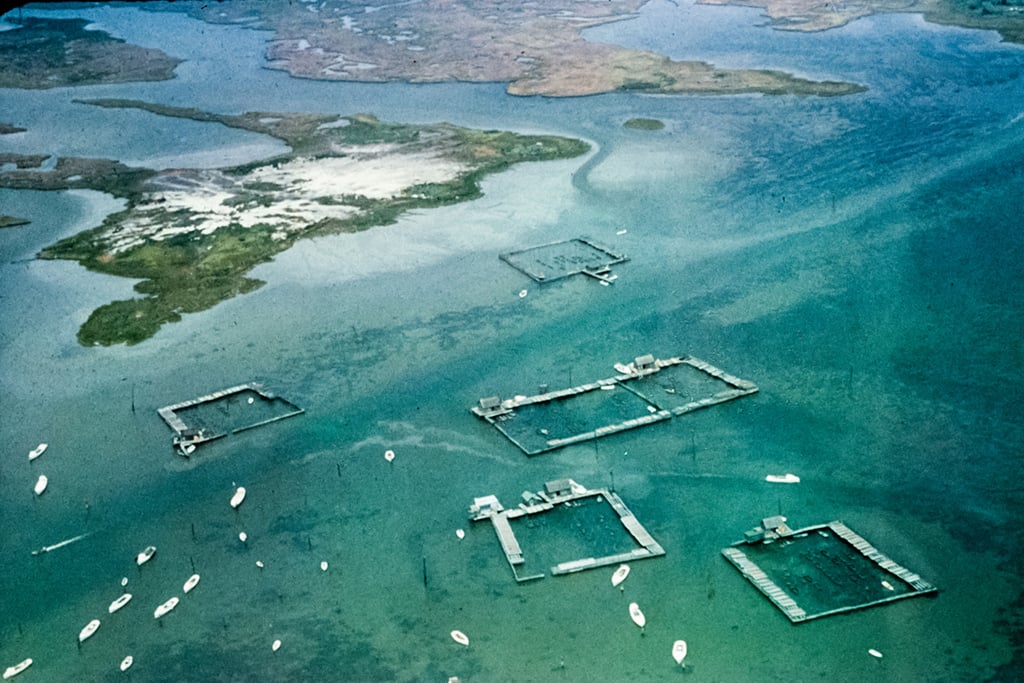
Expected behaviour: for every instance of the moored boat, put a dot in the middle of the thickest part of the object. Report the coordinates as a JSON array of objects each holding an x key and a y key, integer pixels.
[
  {"x": 119, "y": 603},
  {"x": 89, "y": 629},
  {"x": 636, "y": 615},
  {"x": 875, "y": 653},
  {"x": 239, "y": 496},
  {"x": 679, "y": 652},
  {"x": 783, "y": 478},
  {"x": 127, "y": 662},
  {"x": 191, "y": 583},
  {"x": 460, "y": 637},
  {"x": 275, "y": 646},
  {"x": 620, "y": 574},
  {"x": 37, "y": 451},
  {"x": 41, "y": 483},
  {"x": 12, "y": 671},
  {"x": 166, "y": 607},
  {"x": 389, "y": 455},
  {"x": 146, "y": 555}
]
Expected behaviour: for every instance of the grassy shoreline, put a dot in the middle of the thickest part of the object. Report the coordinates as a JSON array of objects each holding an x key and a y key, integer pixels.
[{"x": 187, "y": 261}]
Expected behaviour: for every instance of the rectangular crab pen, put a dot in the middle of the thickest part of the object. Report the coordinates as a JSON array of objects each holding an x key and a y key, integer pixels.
[{"x": 820, "y": 570}]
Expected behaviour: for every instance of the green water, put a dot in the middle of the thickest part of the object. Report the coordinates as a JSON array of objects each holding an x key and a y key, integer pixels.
[{"x": 856, "y": 259}]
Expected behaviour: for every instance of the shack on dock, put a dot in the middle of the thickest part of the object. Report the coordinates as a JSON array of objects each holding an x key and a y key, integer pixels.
[
  {"x": 818, "y": 571},
  {"x": 565, "y": 258},
  {"x": 591, "y": 527},
  {"x": 646, "y": 391},
  {"x": 228, "y": 411}
]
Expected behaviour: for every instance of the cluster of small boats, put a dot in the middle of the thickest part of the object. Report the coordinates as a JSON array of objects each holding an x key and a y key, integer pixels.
[
  {"x": 42, "y": 482},
  {"x": 90, "y": 629},
  {"x": 640, "y": 619}
]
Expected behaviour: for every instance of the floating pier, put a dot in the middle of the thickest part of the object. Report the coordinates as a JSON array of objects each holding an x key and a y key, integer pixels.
[
  {"x": 210, "y": 417},
  {"x": 565, "y": 258},
  {"x": 526, "y": 422},
  {"x": 556, "y": 493},
  {"x": 818, "y": 571}
]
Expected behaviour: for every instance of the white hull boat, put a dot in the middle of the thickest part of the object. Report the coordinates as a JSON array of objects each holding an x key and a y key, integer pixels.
[
  {"x": 239, "y": 496},
  {"x": 460, "y": 638},
  {"x": 127, "y": 662},
  {"x": 636, "y": 615},
  {"x": 679, "y": 652},
  {"x": 41, "y": 484},
  {"x": 389, "y": 455},
  {"x": 37, "y": 451},
  {"x": 191, "y": 583},
  {"x": 89, "y": 629},
  {"x": 146, "y": 555},
  {"x": 620, "y": 574},
  {"x": 119, "y": 603},
  {"x": 166, "y": 607},
  {"x": 12, "y": 671},
  {"x": 783, "y": 478}
]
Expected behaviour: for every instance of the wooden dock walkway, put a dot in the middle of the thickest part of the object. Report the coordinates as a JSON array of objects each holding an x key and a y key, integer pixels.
[
  {"x": 494, "y": 410},
  {"x": 514, "y": 553},
  {"x": 185, "y": 437},
  {"x": 755, "y": 575}
]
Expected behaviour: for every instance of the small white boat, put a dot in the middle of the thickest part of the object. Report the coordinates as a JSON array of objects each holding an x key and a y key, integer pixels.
[
  {"x": 146, "y": 555},
  {"x": 460, "y": 533},
  {"x": 636, "y": 615},
  {"x": 239, "y": 496},
  {"x": 127, "y": 662},
  {"x": 460, "y": 638},
  {"x": 276, "y": 646},
  {"x": 620, "y": 574},
  {"x": 523, "y": 293},
  {"x": 783, "y": 478},
  {"x": 679, "y": 652},
  {"x": 36, "y": 452},
  {"x": 119, "y": 603},
  {"x": 191, "y": 583},
  {"x": 875, "y": 653},
  {"x": 165, "y": 608},
  {"x": 12, "y": 671},
  {"x": 259, "y": 563},
  {"x": 89, "y": 629},
  {"x": 323, "y": 566},
  {"x": 622, "y": 369},
  {"x": 888, "y": 586},
  {"x": 389, "y": 455},
  {"x": 242, "y": 536},
  {"x": 41, "y": 483}
]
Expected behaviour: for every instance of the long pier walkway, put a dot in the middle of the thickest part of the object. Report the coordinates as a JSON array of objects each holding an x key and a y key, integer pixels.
[{"x": 496, "y": 411}]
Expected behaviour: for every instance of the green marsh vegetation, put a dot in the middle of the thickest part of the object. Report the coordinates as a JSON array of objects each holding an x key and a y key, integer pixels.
[{"x": 190, "y": 269}]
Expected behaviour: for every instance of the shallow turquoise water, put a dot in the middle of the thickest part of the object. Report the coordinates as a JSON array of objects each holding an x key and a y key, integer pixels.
[{"x": 855, "y": 258}]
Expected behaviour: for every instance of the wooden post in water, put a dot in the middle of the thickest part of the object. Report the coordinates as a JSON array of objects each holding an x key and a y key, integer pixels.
[{"x": 424, "y": 571}]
